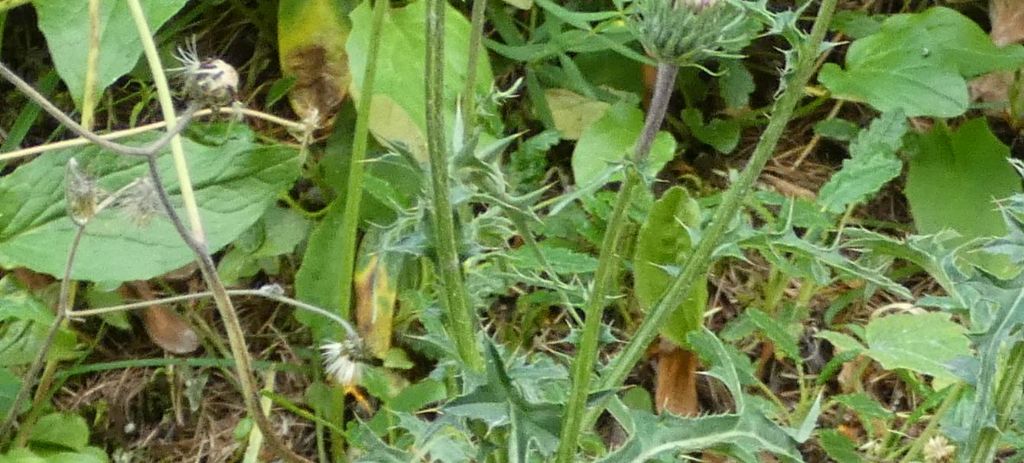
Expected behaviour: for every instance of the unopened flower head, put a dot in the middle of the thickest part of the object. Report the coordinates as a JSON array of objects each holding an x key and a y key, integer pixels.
[
  {"x": 81, "y": 194},
  {"x": 685, "y": 32},
  {"x": 342, "y": 361},
  {"x": 210, "y": 81}
]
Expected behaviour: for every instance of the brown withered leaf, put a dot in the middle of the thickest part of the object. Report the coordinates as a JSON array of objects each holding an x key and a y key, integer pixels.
[
  {"x": 311, "y": 45},
  {"x": 164, "y": 326},
  {"x": 1007, "y": 28},
  {"x": 1007, "y": 21},
  {"x": 675, "y": 389}
]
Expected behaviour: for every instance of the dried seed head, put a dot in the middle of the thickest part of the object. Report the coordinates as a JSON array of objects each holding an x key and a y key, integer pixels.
[
  {"x": 81, "y": 193},
  {"x": 686, "y": 32},
  {"x": 210, "y": 81},
  {"x": 342, "y": 361},
  {"x": 938, "y": 449},
  {"x": 140, "y": 202}
]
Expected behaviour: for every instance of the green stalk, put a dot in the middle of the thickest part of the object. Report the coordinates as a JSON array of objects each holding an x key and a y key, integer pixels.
[
  {"x": 1007, "y": 395},
  {"x": 696, "y": 267},
  {"x": 469, "y": 92},
  {"x": 461, "y": 319},
  {"x": 163, "y": 91},
  {"x": 586, "y": 356},
  {"x": 354, "y": 191},
  {"x": 92, "y": 59}
]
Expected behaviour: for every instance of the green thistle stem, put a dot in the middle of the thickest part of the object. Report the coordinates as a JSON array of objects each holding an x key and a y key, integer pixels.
[{"x": 461, "y": 318}]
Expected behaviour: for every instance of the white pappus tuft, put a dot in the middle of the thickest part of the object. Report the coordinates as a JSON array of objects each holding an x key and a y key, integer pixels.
[{"x": 341, "y": 361}]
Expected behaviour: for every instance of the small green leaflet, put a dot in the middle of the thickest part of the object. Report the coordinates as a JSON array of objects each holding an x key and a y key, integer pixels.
[{"x": 872, "y": 164}]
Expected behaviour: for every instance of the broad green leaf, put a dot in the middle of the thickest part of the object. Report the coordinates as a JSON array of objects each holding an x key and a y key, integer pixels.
[
  {"x": 573, "y": 112},
  {"x": 397, "y": 108},
  {"x": 418, "y": 395},
  {"x": 842, "y": 342},
  {"x": 664, "y": 241},
  {"x": 955, "y": 178},
  {"x": 721, "y": 134},
  {"x": 839, "y": 447},
  {"x": 562, "y": 260},
  {"x": 607, "y": 69},
  {"x": 503, "y": 399},
  {"x": 24, "y": 324},
  {"x": 837, "y": 129},
  {"x": 924, "y": 343},
  {"x": 318, "y": 280},
  {"x": 714, "y": 354},
  {"x": 664, "y": 438},
  {"x": 736, "y": 84},
  {"x": 85, "y": 455},
  {"x": 9, "y": 386},
  {"x": 277, "y": 232},
  {"x": 66, "y": 28},
  {"x": 918, "y": 63},
  {"x": 872, "y": 164},
  {"x": 776, "y": 332},
  {"x": 63, "y": 430},
  {"x": 869, "y": 411},
  {"x": 611, "y": 139},
  {"x": 8, "y": 4},
  {"x": 24, "y": 455},
  {"x": 235, "y": 180},
  {"x": 311, "y": 37},
  {"x": 856, "y": 24}
]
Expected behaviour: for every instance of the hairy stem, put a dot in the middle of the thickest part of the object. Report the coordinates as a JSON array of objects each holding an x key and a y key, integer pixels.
[
  {"x": 696, "y": 266},
  {"x": 586, "y": 357},
  {"x": 461, "y": 318},
  {"x": 469, "y": 91},
  {"x": 354, "y": 190},
  {"x": 1008, "y": 393}
]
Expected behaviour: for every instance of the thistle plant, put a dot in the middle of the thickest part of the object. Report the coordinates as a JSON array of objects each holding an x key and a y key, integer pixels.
[
  {"x": 688, "y": 32},
  {"x": 676, "y": 36}
]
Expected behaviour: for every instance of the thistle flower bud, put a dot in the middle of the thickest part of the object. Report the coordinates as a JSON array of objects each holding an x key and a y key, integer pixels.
[
  {"x": 81, "y": 194},
  {"x": 685, "y": 32}
]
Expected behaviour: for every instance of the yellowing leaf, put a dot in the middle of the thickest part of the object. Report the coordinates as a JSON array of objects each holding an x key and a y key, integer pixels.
[
  {"x": 399, "y": 80},
  {"x": 311, "y": 37},
  {"x": 573, "y": 112},
  {"x": 391, "y": 123}
]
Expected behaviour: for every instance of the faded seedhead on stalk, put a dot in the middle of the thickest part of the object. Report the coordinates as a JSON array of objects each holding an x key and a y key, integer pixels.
[
  {"x": 209, "y": 80},
  {"x": 343, "y": 361},
  {"x": 140, "y": 202},
  {"x": 686, "y": 32},
  {"x": 81, "y": 194}
]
